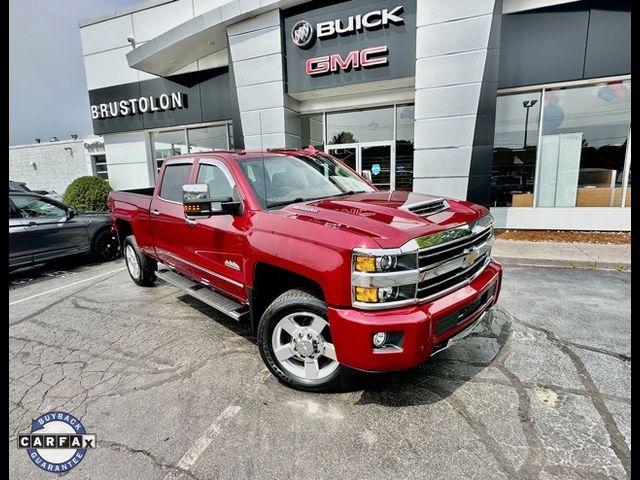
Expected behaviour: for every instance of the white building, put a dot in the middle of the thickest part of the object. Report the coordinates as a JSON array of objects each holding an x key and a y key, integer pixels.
[
  {"x": 52, "y": 166},
  {"x": 521, "y": 105}
]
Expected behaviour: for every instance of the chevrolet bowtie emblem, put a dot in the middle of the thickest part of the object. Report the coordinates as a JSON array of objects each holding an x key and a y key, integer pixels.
[{"x": 470, "y": 258}]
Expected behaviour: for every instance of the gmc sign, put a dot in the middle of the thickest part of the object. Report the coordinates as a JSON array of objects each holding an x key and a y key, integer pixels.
[{"x": 365, "y": 58}]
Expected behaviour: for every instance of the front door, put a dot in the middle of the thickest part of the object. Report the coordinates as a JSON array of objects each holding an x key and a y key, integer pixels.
[
  {"x": 217, "y": 243},
  {"x": 376, "y": 157}
]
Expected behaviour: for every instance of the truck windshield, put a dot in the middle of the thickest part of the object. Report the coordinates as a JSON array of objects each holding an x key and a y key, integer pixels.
[{"x": 281, "y": 180}]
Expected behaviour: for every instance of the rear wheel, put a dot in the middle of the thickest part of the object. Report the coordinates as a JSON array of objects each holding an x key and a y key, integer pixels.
[
  {"x": 295, "y": 342},
  {"x": 141, "y": 268}
]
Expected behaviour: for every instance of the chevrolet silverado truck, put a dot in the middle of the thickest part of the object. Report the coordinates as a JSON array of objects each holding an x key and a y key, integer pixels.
[{"x": 327, "y": 270}]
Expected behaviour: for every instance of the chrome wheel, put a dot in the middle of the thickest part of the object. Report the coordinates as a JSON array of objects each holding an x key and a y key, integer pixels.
[
  {"x": 132, "y": 262},
  {"x": 302, "y": 345}
]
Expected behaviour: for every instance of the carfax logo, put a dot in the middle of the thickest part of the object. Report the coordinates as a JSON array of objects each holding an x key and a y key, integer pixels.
[{"x": 57, "y": 443}]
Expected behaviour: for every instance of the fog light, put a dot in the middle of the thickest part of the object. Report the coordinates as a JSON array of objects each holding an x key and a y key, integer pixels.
[{"x": 379, "y": 339}]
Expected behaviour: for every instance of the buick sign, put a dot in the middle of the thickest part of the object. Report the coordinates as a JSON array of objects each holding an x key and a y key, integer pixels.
[{"x": 303, "y": 34}]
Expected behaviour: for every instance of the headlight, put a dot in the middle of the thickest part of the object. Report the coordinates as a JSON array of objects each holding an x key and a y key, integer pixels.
[{"x": 383, "y": 263}]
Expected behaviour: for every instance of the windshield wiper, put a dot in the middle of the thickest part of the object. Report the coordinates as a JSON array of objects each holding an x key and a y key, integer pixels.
[{"x": 286, "y": 202}]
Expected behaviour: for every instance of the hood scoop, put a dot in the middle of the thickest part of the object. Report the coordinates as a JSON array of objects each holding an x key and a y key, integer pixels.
[{"x": 428, "y": 207}]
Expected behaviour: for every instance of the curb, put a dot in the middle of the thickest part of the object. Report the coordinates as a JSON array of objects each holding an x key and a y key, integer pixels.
[{"x": 546, "y": 262}]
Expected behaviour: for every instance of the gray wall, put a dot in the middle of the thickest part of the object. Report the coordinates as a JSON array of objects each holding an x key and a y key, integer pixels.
[
  {"x": 258, "y": 64},
  {"x": 55, "y": 168},
  {"x": 457, "y": 51},
  {"x": 573, "y": 41}
]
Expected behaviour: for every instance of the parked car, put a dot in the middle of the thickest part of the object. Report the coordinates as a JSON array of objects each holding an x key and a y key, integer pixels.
[
  {"x": 43, "y": 229},
  {"x": 328, "y": 271},
  {"x": 22, "y": 187}
]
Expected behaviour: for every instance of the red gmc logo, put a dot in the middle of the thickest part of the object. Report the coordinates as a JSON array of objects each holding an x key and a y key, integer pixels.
[{"x": 357, "y": 59}]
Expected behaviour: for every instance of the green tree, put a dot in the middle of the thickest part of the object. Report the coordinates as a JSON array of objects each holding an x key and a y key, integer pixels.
[
  {"x": 343, "y": 137},
  {"x": 88, "y": 194}
]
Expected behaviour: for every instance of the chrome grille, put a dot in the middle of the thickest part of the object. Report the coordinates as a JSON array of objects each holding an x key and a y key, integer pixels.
[
  {"x": 431, "y": 207},
  {"x": 450, "y": 265}
]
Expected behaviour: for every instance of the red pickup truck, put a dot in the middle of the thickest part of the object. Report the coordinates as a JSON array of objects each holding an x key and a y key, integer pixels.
[{"x": 327, "y": 270}]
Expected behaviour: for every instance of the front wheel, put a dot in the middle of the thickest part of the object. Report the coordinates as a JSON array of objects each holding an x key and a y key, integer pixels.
[
  {"x": 295, "y": 342},
  {"x": 141, "y": 268}
]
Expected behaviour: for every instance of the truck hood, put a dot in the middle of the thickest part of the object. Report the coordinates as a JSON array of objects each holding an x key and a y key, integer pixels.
[{"x": 386, "y": 217}]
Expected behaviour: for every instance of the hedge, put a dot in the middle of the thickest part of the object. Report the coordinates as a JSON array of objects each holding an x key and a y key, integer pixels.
[{"x": 88, "y": 194}]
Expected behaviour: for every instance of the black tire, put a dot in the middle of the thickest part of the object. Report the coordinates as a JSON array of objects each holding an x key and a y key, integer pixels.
[
  {"x": 146, "y": 267},
  {"x": 293, "y": 302},
  {"x": 105, "y": 246}
]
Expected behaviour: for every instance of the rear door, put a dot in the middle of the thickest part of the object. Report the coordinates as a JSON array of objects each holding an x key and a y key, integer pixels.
[
  {"x": 169, "y": 226},
  {"x": 49, "y": 232}
]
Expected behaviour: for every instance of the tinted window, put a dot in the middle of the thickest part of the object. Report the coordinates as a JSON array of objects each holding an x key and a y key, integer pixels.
[
  {"x": 219, "y": 185},
  {"x": 175, "y": 176},
  {"x": 33, "y": 207}
]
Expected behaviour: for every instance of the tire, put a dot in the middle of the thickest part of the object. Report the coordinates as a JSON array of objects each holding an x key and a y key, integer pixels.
[
  {"x": 141, "y": 268},
  {"x": 295, "y": 342},
  {"x": 105, "y": 246}
]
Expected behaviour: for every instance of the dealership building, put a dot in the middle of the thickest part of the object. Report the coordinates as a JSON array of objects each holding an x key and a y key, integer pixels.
[{"x": 520, "y": 105}]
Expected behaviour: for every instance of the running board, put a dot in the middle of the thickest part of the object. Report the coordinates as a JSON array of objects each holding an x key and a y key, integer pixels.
[{"x": 229, "y": 307}]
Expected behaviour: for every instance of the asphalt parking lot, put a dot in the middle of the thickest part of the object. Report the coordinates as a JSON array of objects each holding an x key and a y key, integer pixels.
[{"x": 174, "y": 390}]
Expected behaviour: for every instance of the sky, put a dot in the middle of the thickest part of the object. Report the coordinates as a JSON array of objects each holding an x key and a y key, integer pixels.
[{"x": 47, "y": 86}]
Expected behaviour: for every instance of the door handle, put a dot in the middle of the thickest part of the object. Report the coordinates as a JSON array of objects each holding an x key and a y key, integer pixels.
[
  {"x": 190, "y": 222},
  {"x": 32, "y": 224},
  {"x": 155, "y": 212}
]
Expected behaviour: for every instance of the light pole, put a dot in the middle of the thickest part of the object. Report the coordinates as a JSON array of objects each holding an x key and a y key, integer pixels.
[{"x": 527, "y": 104}]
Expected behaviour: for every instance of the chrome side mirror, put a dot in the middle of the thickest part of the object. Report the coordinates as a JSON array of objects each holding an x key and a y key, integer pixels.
[{"x": 367, "y": 175}]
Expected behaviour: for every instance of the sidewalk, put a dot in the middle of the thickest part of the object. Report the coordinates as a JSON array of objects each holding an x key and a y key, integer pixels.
[{"x": 577, "y": 255}]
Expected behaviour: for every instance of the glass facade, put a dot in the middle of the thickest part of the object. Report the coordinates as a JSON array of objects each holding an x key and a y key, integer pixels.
[
  {"x": 189, "y": 140},
  {"x": 378, "y": 140},
  {"x": 574, "y": 156},
  {"x": 360, "y": 126}
]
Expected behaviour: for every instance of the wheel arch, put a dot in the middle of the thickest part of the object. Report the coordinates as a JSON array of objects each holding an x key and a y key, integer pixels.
[{"x": 269, "y": 282}]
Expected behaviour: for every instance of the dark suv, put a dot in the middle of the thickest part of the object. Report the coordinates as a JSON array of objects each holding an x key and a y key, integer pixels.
[{"x": 43, "y": 229}]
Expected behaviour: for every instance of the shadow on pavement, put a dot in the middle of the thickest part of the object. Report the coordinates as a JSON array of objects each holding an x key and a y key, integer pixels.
[{"x": 429, "y": 383}]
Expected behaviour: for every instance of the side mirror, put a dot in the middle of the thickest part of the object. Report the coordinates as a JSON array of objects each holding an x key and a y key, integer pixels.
[
  {"x": 197, "y": 202},
  {"x": 71, "y": 212},
  {"x": 367, "y": 174}
]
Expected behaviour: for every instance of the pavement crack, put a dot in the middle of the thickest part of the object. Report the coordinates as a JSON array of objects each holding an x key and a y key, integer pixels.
[
  {"x": 618, "y": 443},
  {"x": 121, "y": 447},
  {"x": 619, "y": 356},
  {"x": 478, "y": 427}
]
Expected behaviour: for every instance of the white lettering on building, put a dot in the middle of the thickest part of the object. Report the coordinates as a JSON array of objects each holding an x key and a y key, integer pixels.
[
  {"x": 358, "y": 23},
  {"x": 132, "y": 106}
]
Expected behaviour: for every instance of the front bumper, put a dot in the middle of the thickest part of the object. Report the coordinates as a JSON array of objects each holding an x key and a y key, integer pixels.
[{"x": 424, "y": 329}]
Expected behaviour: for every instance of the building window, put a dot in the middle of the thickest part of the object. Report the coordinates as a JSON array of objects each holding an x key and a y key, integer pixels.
[
  {"x": 167, "y": 144},
  {"x": 584, "y": 144},
  {"x": 198, "y": 139},
  {"x": 515, "y": 149},
  {"x": 575, "y": 156},
  {"x": 360, "y": 126},
  {"x": 100, "y": 166},
  {"x": 208, "y": 138}
]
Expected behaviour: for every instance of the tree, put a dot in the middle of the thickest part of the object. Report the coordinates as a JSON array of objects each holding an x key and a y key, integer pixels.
[
  {"x": 88, "y": 194},
  {"x": 343, "y": 137}
]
